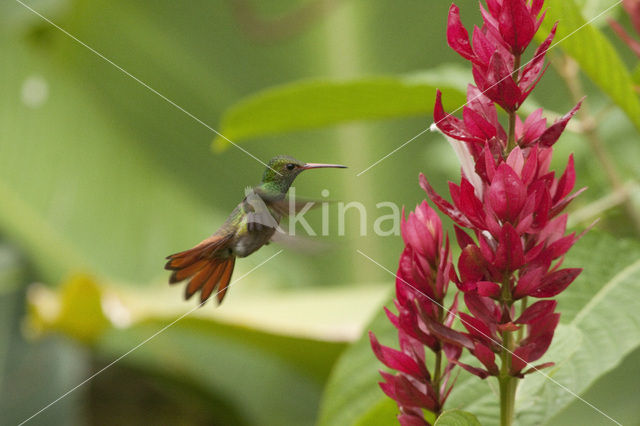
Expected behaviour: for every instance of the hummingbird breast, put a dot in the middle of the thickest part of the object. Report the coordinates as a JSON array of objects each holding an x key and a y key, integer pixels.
[
  {"x": 253, "y": 224},
  {"x": 255, "y": 237}
]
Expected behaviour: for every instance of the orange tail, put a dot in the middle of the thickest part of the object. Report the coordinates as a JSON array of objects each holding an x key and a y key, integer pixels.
[{"x": 209, "y": 266}]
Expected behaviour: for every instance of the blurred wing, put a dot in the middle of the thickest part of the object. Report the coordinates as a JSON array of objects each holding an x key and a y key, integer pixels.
[
  {"x": 286, "y": 206},
  {"x": 298, "y": 243}
]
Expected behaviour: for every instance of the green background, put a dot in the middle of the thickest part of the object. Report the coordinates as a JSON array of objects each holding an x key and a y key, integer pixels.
[{"x": 100, "y": 179}]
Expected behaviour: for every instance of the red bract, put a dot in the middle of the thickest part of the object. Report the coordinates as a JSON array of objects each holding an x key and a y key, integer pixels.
[
  {"x": 423, "y": 276},
  {"x": 509, "y": 224},
  {"x": 496, "y": 47},
  {"x": 511, "y": 202}
]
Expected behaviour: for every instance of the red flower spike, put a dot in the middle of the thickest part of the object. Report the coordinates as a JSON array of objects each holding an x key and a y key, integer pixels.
[
  {"x": 444, "y": 206},
  {"x": 471, "y": 264},
  {"x": 482, "y": 308},
  {"x": 462, "y": 237},
  {"x": 478, "y": 125},
  {"x": 508, "y": 223},
  {"x": 556, "y": 282},
  {"x": 551, "y": 135},
  {"x": 516, "y": 25},
  {"x": 407, "y": 394},
  {"x": 536, "y": 7},
  {"x": 506, "y": 194},
  {"x": 483, "y": 374},
  {"x": 538, "y": 367},
  {"x": 507, "y": 326},
  {"x": 495, "y": 6},
  {"x": 411, "y": 420},
  {"x": 449, "y": 124},
  {"x": 487, "y": 358},
  {"x": 566, "y": 182},
  {"x": 539, "y": 309},
  {"x": 533, "y": 127},
  {"x": 488, "y": 289},
  {"x": 543, "y": 325},
  {"x": 457, "y": 35},
  {"x": 529, "y": 281},
  {"x": 498, "y": 84},
  {"x": 483, "y": 48},
  {"x": 393, "y": 358},
  {"x": 480, "y": 332},
  {"x": 532, "y": 72},
  {"x": 424, "y": 271},
  {"x": 509, "y": 255},
  {"x": 448, "y": 335}
]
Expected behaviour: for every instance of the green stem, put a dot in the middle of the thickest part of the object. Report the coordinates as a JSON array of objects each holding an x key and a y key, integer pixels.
[
  {"x": 512, "y": 133},
  {"x": 437, "y": 375},
  {"x": 508, "y": 383},
  {"x": 436, "y": 380},
  {"x": 523, "y": 306}
]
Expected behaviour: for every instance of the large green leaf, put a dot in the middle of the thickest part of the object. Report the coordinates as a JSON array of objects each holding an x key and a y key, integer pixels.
[
  {"x": 597, "y": 57},
  {"x": 312, "y": 104},
  {"x": 598, "y": 329},
  {"x": 457, "y": 418},
  {"x": 262, "y": 378}
]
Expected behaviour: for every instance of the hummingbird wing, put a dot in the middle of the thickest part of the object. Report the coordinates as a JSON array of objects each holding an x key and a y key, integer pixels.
[
  {"x": 298, "y": 243},
  {"x": 288, "y": 206}
]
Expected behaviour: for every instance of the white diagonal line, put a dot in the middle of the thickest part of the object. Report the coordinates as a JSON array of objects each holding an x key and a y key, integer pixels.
[
  {"x": 142, "y": 83},
  {"x": 494, "y": 341},
  {"x": 492, "y": 86},
  {"x": 88, "y": 379}
]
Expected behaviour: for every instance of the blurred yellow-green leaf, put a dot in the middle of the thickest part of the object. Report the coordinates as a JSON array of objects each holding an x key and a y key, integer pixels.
[{"x": 77, "y": 311}]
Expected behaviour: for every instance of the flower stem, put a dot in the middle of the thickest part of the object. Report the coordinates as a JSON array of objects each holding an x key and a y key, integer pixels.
[
  {"x": 508, "y": 383},
  {"x": 436, "y": 381},
  {"x": 523, "y": 306},
  {"x": 437, "y": 375}
]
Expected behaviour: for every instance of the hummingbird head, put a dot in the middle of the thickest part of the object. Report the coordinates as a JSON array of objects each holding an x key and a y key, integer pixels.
[{"x": 282, "y": 171}]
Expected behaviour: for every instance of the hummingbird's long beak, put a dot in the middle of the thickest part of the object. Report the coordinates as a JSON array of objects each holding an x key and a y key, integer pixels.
[{"x": 320, "y": 166}]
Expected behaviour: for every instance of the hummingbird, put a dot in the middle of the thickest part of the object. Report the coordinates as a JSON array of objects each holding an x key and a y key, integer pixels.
[{"x": 251, "y": 225}]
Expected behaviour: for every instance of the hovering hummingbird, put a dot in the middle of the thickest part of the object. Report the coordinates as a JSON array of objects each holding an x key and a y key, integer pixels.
[{"x": 250, "y": 226}]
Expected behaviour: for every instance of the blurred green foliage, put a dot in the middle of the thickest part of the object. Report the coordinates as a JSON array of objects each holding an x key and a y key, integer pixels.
[{"x": 100, "y": 178}]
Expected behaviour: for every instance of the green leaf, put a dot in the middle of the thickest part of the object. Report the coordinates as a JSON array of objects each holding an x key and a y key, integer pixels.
[
  {"x": 598, "y": 329},
  {"x": 317, "y": 103},
  {"x": 591, "y": 9},
  {"x": 79, "y": 312},
  {"x": 268, "y": 379},
  {"x": 597, "y": 57},
  {"x": 457, "y": 418},
  {"x": 262, "y": 377}
]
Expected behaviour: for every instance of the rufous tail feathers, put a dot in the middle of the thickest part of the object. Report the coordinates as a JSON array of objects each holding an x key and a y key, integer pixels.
[{"x": 209, "y": 265}]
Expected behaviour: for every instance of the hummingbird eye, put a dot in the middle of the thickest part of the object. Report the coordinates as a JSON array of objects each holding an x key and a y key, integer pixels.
[{"x": 291, "y": 166}]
